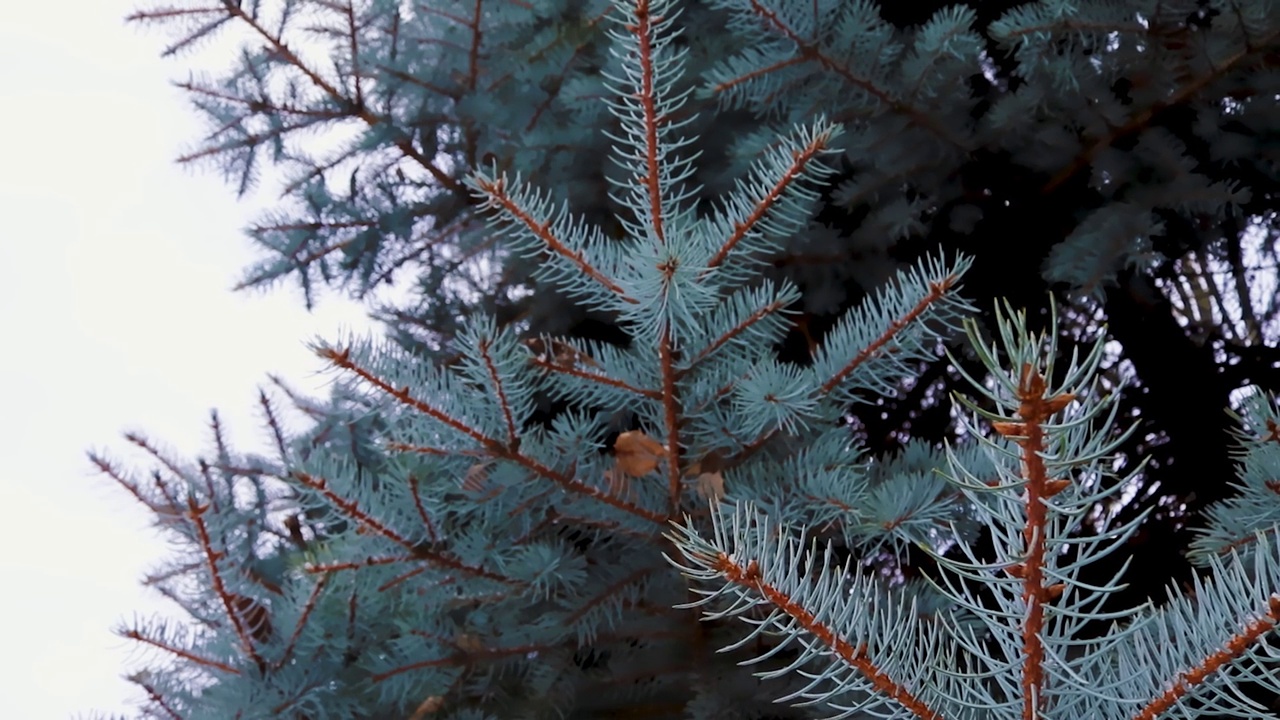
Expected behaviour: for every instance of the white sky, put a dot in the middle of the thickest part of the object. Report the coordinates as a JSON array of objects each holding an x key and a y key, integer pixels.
[{"x": 115, "y": 314}]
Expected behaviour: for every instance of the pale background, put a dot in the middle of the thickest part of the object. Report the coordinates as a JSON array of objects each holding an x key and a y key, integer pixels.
[{"x": 116, "y": 314}]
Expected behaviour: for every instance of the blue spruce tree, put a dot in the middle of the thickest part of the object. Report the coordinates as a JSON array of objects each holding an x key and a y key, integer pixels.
[{"x": 589, "y": 431}]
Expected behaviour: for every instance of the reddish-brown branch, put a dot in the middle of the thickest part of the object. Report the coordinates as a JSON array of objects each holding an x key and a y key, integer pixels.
[
  {"x": 352, "y": 509},
  {"x": 302, "y": 620},
  {"x": 278, "y": 710},
  {"x": 258, "y": 105},
  {"x": 1188, "y": 680},
  {"x": 497, "y": 193},
  {"x": 352, "y": 605},
  {"x": 428, "y": 10},
  {"x": 611, "y": 526},
  {"x": 273, "y": 424},
  {"x": 309, "y": 258},
  {"x": 641, "y": 28},
  {"x": 219, "y": 438},
  {"x": 342, "y": 359},
  {"x": 1272, "y": 435},
  {"x": 248, "y": 140},
  {"x": 438, "y": 452},
  {"x": 172, "y": 12},
  {"x": 451, "y": 660},
  {"x": 239, "y": 470},
  {"x": 422, "y": 511},
  {"x": 196, "y": 513},
  {"x": 143, "y": 443},
  {"x": 358, "y": 564},
  {"x": 513, "y": 437},
  {"x": 163, "y": 488},
  {"x": 184, "y": 654},
  {"x": 594, "y": 377},
  {"x": 400, "y": 578},
  {"x": 809, "y": 50},
  {"x": 473, "y": 52},
  {"x": 1034, "y": 410},
  {"x": 156, "y": 697},
  {"x": 318, "y": 171},
  {"x": 855, "y": 657},
  {"x": 220, "y": 443},
  {"x": 936, "y": 291},
  {"x": 359, "y": 110},
  {"x": 422, "y": 243},
  {"x": 413, "y": 80},
  {"x": 557, "y": 82},
  {"x": 199, "y": 33},
  {"x": 799, "y": 161},
  {"x": 304, "y": 404},
  {"x": 527, "y": 505},
  {"x": 1143, "y": 118},
  {"x": 608, "y": 592},
  {"x": 463, "y": 657},
  {"x": 761, "y": 72},
  {"x": 732, "y": 333},
  {"x": 172, "y": 571},
  {"x": 596, "y": 493},
  {"x": 671, "y": 416},
  {"x": 105, "y": 467},
  {"x": 354, "y": 47},
  {"x": 748, "y": 448}
]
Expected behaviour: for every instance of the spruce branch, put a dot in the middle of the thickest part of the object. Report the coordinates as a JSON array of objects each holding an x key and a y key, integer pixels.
[
  {"x": 195, "y": 513},
  {"x": 291, "y": 644},
  {"x": 531, "y": 212},
  {"x": 802, "y": 160},
  {"x": 132, "y": 486},
  {"x": 355, "y": 106},
  {"x": 495, "y": 448},
  {"x": 154, "y": 694},
  {"x": 159, "y": 643},
  {"x": 758, "y": 563},
  {"x": 736, "y": 333},
  {"x": 1051, "y": 445},
  {"x": 595, "y": 377},
  {"x": 1189, "y": 89},
  {"x": 810, "y": 46},
  {"x": 934, "y": 288}
]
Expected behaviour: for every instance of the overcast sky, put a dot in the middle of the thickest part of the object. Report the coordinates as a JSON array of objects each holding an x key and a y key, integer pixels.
[{"x": 116, "y": 314}]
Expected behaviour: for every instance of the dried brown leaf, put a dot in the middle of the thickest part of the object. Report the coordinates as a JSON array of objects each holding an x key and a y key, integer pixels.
[
  {"x": 468, "y": 642},
  {"x": 711, "y": 485},
  {"x": 637, "y": 453},
  {"x": 559, "y": 353},
  {"x": 429, "y": 706},
  {"x": 475, "y": 478}
]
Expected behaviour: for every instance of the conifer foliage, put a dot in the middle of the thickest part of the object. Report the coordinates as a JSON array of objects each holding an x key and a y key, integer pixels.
[
  {"x": 1026, "y": 657},
  {"x": 499, "y": 515}
]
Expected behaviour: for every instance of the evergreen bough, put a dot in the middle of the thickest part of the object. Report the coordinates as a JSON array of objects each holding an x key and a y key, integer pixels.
[{"x": 440, "y": 545}]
